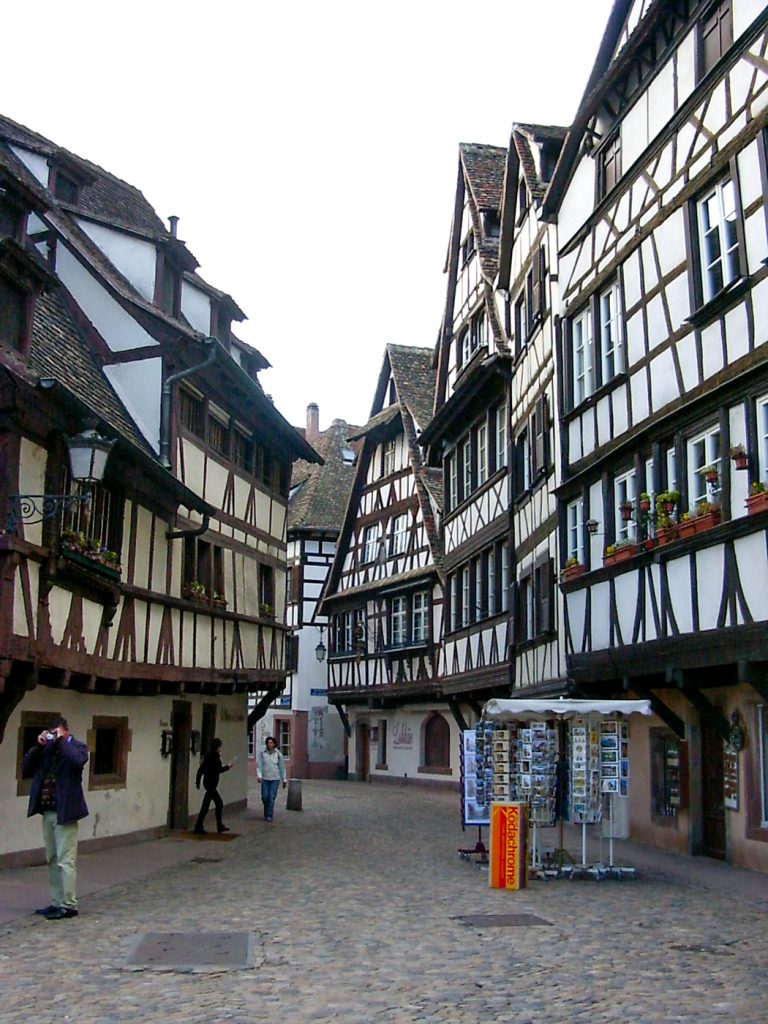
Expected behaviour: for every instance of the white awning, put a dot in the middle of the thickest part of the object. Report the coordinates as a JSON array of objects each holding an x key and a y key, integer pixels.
[{"x": 561, "y": 707}]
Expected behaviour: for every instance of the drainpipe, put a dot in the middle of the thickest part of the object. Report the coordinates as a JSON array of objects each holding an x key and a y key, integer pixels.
[{"x": 165, "y": 400}]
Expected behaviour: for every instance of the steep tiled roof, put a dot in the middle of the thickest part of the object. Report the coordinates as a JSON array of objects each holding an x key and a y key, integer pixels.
[
  {"x": 484, "y": 168},
  {"x": 414, "y": 379},
  {"x": 323, "y": 491},
  {"x": 379, "y": 420},
  {"x": 524, "y": 135},
  {"x": 433, "y": 479}
]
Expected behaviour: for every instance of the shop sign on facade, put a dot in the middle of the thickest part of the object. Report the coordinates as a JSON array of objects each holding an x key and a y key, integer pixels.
[{"x": 507, "y": 853}]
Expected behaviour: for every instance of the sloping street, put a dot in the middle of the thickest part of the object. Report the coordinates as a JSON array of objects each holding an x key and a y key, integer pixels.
[{"x": 349, "y": 911}]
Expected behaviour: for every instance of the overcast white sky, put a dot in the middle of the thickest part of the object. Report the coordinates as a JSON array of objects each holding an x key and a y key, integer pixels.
[{"x": 309, "y": 149}]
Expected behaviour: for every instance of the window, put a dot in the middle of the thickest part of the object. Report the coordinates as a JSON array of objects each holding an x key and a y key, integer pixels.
[
  {"x": 348, "y": 456},
  {"x": 574, "y": 515},
  {"x": 463, "y": 347},
  {"x": 454, "y": 595},
  {"x": 466, "y": 455},
  {"x": 453, "y": 480},
  {"x": 671, "y": 469},
  {"x": 12, "y": 217},
  {"x": 370, "y": 543},
  {"x": 666, "y": 774},
  {"x": 204, "y": 566},
  {"x": 491, "y": 224},
  {"x": 218, "y": 434},
  {"x": 539, "y": 451},
  {"x": 490, "y": 572},
  {"x": 420, "y": 625},
  {"x": 581, "y": 360},
  {"x": 717, "y": 222},
  {"x": 762, "y": 438},
  {"x": 535, "y": 601},
  {"x": 398, "y": 621},
  {"x": 242, "y": 450},
  {"x": 525, "y": 626},
  {"x": 479, "y": 330},
  {"x": 611, "y": 357},
  {"x": 703, "y": 455},
  {"x": 468, "y": 247},
  {"x": 522, "y": 463},
  {"x": 266, "y": 590},
  {"x": 521, "y": 322},
  {"x": 505, "y": 576},
  {"x": 715, "y": 35},
  {"x": 482, "y": 453},
  {"x": 99, "y": 521},
  {"x": 191, "y": 412},
  {"x": 522, "y": 199},
  {"x": 501, "y": 435},
  {"x": 65, "y": 188},
  {"x": 464, "y": 577},
  {"x": 623, "y": 493},
  {"x": 32, "y": 724},
  {"x": 109, "y": 742},
  {"x": 437, "y": 743},
  {"x": 292, "y": 652},
  {"x": 390, "y": 450},
  {"x": 609, "y": 164},
  {"x": 399, "y": 540},
  {"x": 348, "y": 628},
  {"x": 283, "y": 736},
  {"x": 762, "y": 711}
]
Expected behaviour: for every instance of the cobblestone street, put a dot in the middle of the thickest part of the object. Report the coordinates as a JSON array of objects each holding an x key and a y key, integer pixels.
[{"x": 352, "y": 909}]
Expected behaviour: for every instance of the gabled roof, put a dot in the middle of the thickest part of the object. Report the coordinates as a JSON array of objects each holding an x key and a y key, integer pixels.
[
  {"x": 524, "y": 137},
  {"x": 484, "y": 169},
  {"x": 414, "y": 379},
  {"x": 320, "y": 501}
]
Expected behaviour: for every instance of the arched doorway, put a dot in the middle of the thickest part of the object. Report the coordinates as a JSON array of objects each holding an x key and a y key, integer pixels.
[{"x": 437, "y": 742}]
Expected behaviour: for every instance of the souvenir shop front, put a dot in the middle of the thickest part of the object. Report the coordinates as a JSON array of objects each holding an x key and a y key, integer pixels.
[{"x": 565, "y": 761}]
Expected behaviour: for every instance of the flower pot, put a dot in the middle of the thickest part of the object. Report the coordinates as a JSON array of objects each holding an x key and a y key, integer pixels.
[
  {"x": 666, "y": 534},
  {"x": 645, "y": 505},
  {"x": 741, "y": 461},
  {"x": 686, "y": 528},
  {"x": 572, "y": 572},
  {"x": 711, "y": 477},
  {"x": 706, "y": 522},
  {"x": 757, "y": 503},
  {"x": 621, "y": 554},
  {"x": 625, "y": 510},
  {"x": 648, "y": 544}
]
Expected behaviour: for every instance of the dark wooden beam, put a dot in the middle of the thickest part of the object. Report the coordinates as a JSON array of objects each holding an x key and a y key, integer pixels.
[
  {"x": 754, "y": 674},
  {"x": 453, "y": 704},
  {"x": 708, "y": 711},
  {"x": 258, "y": 712},
  {"x": 659, "y": 708}
]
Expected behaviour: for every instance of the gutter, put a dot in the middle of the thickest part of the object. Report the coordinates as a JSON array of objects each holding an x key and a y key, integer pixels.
[{"x": 165, "y": 401}]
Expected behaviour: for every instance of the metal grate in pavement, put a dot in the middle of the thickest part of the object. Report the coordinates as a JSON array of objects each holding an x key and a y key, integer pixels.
[
  {"x": 502, "y": 920},
  {"x": 206, "y": 860},
  {"x": 189, "y": 951}
]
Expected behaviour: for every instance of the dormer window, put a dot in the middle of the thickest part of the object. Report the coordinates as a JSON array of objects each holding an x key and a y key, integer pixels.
[
  {"x": 221, "y": 324},
  {"x": 491, "y": 224},
  {"x": 468, "y": 247},
  {"x": 12, "y": 217},
  {"x": 66, "y": 189},
  {"x": 21, "y": 278},
  {"x": 167, "y": 285},
  {"x": 66, "y": 178}
]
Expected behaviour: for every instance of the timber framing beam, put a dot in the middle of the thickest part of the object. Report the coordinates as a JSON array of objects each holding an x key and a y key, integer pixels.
[
  {"x": 453, "y": 704},
  {"x": 706, "y": 709},
  {"x": 659, "y": 708},
  {"x": 257, "y": 713},
  {"x": 344, "y": 719},
  {"x": 754, "y": 674}
]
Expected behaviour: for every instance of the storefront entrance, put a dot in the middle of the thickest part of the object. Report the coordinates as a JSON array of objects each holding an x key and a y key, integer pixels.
[{"x": 712, "y": 795}]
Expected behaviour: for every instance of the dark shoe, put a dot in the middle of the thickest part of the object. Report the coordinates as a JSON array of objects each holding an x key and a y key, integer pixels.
[
  {"x": 59, "y": 913},
  {"x": 46, "y": 910},
  {"x": 198, "y": 832},
  {"x": 223, "y": 829}
]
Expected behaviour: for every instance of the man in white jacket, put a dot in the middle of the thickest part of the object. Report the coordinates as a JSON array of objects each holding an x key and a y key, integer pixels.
[{"x": 271, "y": 772}]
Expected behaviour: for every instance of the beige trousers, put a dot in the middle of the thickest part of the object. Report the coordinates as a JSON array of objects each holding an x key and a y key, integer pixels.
[{"x": 61, "y": 855}]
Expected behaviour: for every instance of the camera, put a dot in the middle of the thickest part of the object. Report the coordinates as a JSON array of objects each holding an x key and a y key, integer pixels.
[{"x": 51, "y": 736}]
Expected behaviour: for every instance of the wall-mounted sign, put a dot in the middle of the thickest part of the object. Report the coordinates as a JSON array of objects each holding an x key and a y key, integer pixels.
[
  {"x": 402, "y": 735},
  {"x": 507, "y": 853},
  {"x": 730, "y": 777},
  {"x": 318, "y": 693}
]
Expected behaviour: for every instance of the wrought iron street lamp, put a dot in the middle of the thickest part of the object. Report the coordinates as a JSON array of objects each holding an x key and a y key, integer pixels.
[{"x": 88, "y": 454}]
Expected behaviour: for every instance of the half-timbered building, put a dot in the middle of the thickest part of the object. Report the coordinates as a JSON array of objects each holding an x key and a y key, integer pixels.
[
  {"x": 527, "y": 293},
  {"x": 146, "y": 614},
  {"x": 468, "y": 437},
  {"x": 660, "y": 198},
  {"x": 383, "y": 597},
  {"x": 309, "y": 731}
]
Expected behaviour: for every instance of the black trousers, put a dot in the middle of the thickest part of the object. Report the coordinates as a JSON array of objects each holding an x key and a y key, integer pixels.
[{"x": 218, "y": 803}]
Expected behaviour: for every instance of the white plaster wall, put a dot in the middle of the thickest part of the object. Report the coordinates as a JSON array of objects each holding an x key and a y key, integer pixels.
[
  {"x": 143, "y": 803},
  {"x": 117, "y": 327},
  {"x": 405, "y": 757},
  {"x": 744, "y": 13},
  {"x": 138, "y": 385},
  {"x": 36, "y": 163},
  {"x": 196, "y": 307},
  {"x": 134, "y": 258}
]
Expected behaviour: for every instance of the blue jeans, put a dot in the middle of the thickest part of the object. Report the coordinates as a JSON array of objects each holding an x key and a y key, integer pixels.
[{"x": 269, "y": 788}]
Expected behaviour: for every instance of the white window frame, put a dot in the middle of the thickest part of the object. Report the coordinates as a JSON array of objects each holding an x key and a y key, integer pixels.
[
  {"x": 671, "y": 469},
  {"x": 479, "y": 583},
  {"x": 526, "y": 585},
  {"x": 624, "y": 489},
  {"x": 390, "y": 453},
  {"x": 398, "y": 621},
  {"x": 399, "y": 541},
  {"x": 466, "y": 453},
  {"x": 611, "y": 334},
  {"x": 501, "y": 436},
  {"x": 420, "y": 617},
  {"x": 575, "y": 529},
  {"x": 348, "y": 624},
  {"x": 718, "y": 217},
  {"x": 490, "y": 561},
  {"x": 703, "y": 452},
  {"x": 370, "y": 543},
  {"x": 505, "y": 571},
  {"x": 464, "y": 576},
  {"x": 454, "y": 602},
  {"x": 482, "y": 453},
  {"x": 453, "y": 480},
  {"x": 761, "y": 416},
  {"x": 466, "y": 346},
  {"x": 582, "y": 361}
]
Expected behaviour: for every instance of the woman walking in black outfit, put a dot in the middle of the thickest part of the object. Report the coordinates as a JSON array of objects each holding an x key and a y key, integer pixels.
[{"x": 209, "y": 771}]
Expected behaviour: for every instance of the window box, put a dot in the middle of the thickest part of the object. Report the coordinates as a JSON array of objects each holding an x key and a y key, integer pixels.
[
  {"x": 757, "y": 503},
  {"x": 266, "y": 611},
  {"x": 647, "y": 544},
  {"x": 194, "y": 591},
  {"x": 686, "y": 527},
  {"x": 666, "y": 534},
  {"x": 620, "y": 553},
  {"x": 102, "y": 562},
  {"x": 572, "y": 572}
]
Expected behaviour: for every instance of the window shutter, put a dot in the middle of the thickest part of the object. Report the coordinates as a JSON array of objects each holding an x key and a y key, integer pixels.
[
  {"x": 545, "y": 597},
  {"x": 536, "y": 290},
  {"x": 519, "y": 481}
]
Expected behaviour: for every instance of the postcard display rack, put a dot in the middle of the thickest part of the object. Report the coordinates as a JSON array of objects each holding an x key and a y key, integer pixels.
[{"x": 599, "y": 776}]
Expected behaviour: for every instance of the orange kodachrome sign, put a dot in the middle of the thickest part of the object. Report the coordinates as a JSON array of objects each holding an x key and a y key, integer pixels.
[{"x": 507, "y": 853}]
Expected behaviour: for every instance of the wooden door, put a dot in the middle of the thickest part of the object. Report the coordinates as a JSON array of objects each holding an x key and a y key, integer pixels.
[
  {"x": 363, "y": 752},
  {"x": 181, "y": 727},
  {"x": 712, "y": 794}
]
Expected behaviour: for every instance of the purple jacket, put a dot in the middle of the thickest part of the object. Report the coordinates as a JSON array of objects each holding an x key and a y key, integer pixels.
[{"x": 70, "y": 802}]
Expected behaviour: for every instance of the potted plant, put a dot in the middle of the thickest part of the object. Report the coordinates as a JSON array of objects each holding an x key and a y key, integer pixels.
[
  {"x": 758, "y": 499},
  {"x": 686, "y": 527},
  {"x": 193, "y": 590},
  {"x": 707, "y": 515},
  {"x": 266, "y": 610},
  {"x": 740, "y": 457},
  {"x": 666, "y": 502},
  {"x": 664, "y": 528},
  {"x": 572, "y": 569},
  {"x": 711, "y": 475},
  {"x": 618, "y": 552},
  {"x": 219, "y": 601},
  {"x": 645, "y": 503},
  {"x": 625, "y": 510}
]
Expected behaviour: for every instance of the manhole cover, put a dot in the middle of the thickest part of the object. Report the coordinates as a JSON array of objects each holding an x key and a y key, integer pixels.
[
  {"x": 700, "y": 947},
  {"x": 502, "y": 920},
  {"x": 191, "y": 950},
  {"x": 206, "y": 860}
]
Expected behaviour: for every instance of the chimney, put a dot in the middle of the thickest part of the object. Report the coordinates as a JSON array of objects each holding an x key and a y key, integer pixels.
[
  {"x": 173, "y": 221},
  {"x": 313, "y": 422}
]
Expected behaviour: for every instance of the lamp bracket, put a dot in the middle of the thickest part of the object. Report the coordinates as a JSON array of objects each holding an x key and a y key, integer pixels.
[{"x": 36, "y": 508}]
